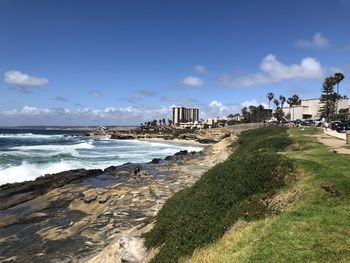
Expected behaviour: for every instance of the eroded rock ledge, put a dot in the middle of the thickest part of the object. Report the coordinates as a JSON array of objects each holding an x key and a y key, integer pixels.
[{"x": 95, "y": 215}]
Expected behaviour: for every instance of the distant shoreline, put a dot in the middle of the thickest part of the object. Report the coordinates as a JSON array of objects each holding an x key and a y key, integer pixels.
[{"x": 66, "y": 128}]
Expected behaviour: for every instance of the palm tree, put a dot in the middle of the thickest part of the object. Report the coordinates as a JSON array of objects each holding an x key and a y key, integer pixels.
[
  {"x": 290, "y": 103},
  {"x": 270, "y": 96},
  {"x": 277, "y": 103},
  {"x": 296, "y": 101},
  {"x": 338, "y": 77},
  {"x": 282, "y": 100}
]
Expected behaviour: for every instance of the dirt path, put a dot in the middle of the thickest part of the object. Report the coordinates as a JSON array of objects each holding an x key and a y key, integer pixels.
[{"x": 333, "y": 143}]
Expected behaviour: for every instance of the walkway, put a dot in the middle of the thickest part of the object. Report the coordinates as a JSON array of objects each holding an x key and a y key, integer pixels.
[{"x": 336, "y": 134}]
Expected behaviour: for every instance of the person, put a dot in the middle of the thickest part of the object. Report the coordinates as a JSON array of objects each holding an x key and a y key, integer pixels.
[
  {"x": 135, "y": 172},
  {"x": 138, "y": 171}
]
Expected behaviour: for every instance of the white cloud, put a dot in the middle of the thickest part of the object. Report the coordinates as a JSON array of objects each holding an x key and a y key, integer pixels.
[
  {"x": 95, "y": 93},
  {"x": 200, "y": 69},
  {"x": 218, "y": 109},
  {"x": 318, "y": 41},
  {"x": 15, "y": 77},
  {"x": 273, "y": 71},
  {"x": 253, "y": 102},
  {"x": 192, "y": 81},
  {"x": 84, "y": 116}
]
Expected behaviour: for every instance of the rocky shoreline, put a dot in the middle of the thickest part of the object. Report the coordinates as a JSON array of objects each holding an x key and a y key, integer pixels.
[
  {"x": 204, "y": 136},
  {"x": 95, "y": 215}
]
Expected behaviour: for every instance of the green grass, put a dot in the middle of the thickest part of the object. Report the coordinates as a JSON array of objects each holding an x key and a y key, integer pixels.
[
  {"x": 315, "y": 229},
  {"x": 229, "y": 191}
]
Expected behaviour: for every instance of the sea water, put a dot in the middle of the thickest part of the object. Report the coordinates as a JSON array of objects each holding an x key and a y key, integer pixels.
[{"x": 28, "y": 153}]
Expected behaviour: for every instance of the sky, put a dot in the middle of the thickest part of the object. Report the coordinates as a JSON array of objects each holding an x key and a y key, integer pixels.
[{"x": 126, "y": 62}]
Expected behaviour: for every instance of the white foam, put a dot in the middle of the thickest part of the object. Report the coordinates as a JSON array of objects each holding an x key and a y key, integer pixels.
[
  {"x": 26, "y": 171},
  {"x": 114, "y": 153},
  {"x": 28, "y": 136},
  {"x": 62, "y": 148}
]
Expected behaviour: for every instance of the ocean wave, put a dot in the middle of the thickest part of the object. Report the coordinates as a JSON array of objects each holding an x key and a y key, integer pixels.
[
  {"x": 27, "y": 162},
  {"x": 28, "y": 136},
  {"x": 29, "y": 171},
  {"x": 53, "y": 147}
]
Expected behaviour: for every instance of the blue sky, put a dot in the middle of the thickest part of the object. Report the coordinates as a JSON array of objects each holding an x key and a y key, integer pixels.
[{"x": 123, "y": 62}]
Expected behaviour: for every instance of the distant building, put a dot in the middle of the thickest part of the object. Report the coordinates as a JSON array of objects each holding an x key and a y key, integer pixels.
[
  {"x": 311, "y": 109},
  {"x": 183, "y": 115}
]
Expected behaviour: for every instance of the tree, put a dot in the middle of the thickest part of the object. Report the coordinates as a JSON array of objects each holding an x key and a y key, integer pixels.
[
  {"x": 296, "y": 101},
  {"x": 277, "y": 103},
  {"x": 327, "y": 97},
  {"x": 279, "y": 114},
  {"x": 290, "y": 103},
  {"x": 282, "y": 100},
  {"x": 338, "y": 77},
  {"x": 270, "y": 97},
  {"x": 170, "y": 122},
  {"x": 245, "y": 114}
]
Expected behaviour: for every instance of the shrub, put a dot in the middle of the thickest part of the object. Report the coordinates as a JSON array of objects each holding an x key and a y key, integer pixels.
[{"x": 201, "y": 214}]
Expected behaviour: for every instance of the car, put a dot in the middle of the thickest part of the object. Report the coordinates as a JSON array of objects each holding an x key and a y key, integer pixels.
[
  {"x": 343, "y": 127},
  {"x": 334, "y": 125}
]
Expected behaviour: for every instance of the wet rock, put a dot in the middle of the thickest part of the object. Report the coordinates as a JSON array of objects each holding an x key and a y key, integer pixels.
[
  {"x": 90, "y": 198},
  {"x": 168, "y": 158},
  {"x": 16, "y": 193},
  {"x": 103, "y": 199},
  {"x": 156, "y": 160},
  {"x": 184, "y": 152}
]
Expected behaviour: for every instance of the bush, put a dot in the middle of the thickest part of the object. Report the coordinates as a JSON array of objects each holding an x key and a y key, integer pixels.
[{"x": 201, "y": 214}]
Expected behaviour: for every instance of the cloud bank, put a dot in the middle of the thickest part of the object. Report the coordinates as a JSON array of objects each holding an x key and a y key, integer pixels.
[{"x": 273, "y": 71}]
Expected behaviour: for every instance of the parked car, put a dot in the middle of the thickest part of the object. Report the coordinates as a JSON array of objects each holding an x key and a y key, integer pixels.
[
  {"x": 343, "y": 127},
  {"x": 307, "y": 123},
  {"x": 334, "y": 125}
]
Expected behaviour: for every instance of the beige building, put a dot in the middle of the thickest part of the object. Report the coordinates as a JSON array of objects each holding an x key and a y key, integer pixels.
[
  {"x": 183, "y": 115},
  {"x": 310, "y": 109}
]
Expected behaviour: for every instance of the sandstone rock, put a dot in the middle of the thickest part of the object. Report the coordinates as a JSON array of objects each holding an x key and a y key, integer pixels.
[
  {"x": 129, "y": 258},
  {"x": 103, "y": 199},
  {"x": 90, "y": 198}
]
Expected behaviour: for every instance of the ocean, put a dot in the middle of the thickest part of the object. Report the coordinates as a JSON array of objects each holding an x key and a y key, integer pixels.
[{"x": 26, "y": 154}]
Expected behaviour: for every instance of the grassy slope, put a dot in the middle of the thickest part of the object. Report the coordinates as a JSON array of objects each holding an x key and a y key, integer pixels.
[
  {"x": 231, "y": 190},
  {"x": 315, "y": 229}
]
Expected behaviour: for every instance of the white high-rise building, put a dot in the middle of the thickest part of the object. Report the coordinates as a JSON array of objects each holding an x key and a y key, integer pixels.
[{"x": 182, "y": 115}]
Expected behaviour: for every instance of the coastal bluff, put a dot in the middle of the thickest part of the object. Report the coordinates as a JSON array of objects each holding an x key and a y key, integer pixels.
[
  {"x": 100, "y": 215},
  {"x": 212, "y": 135}
]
